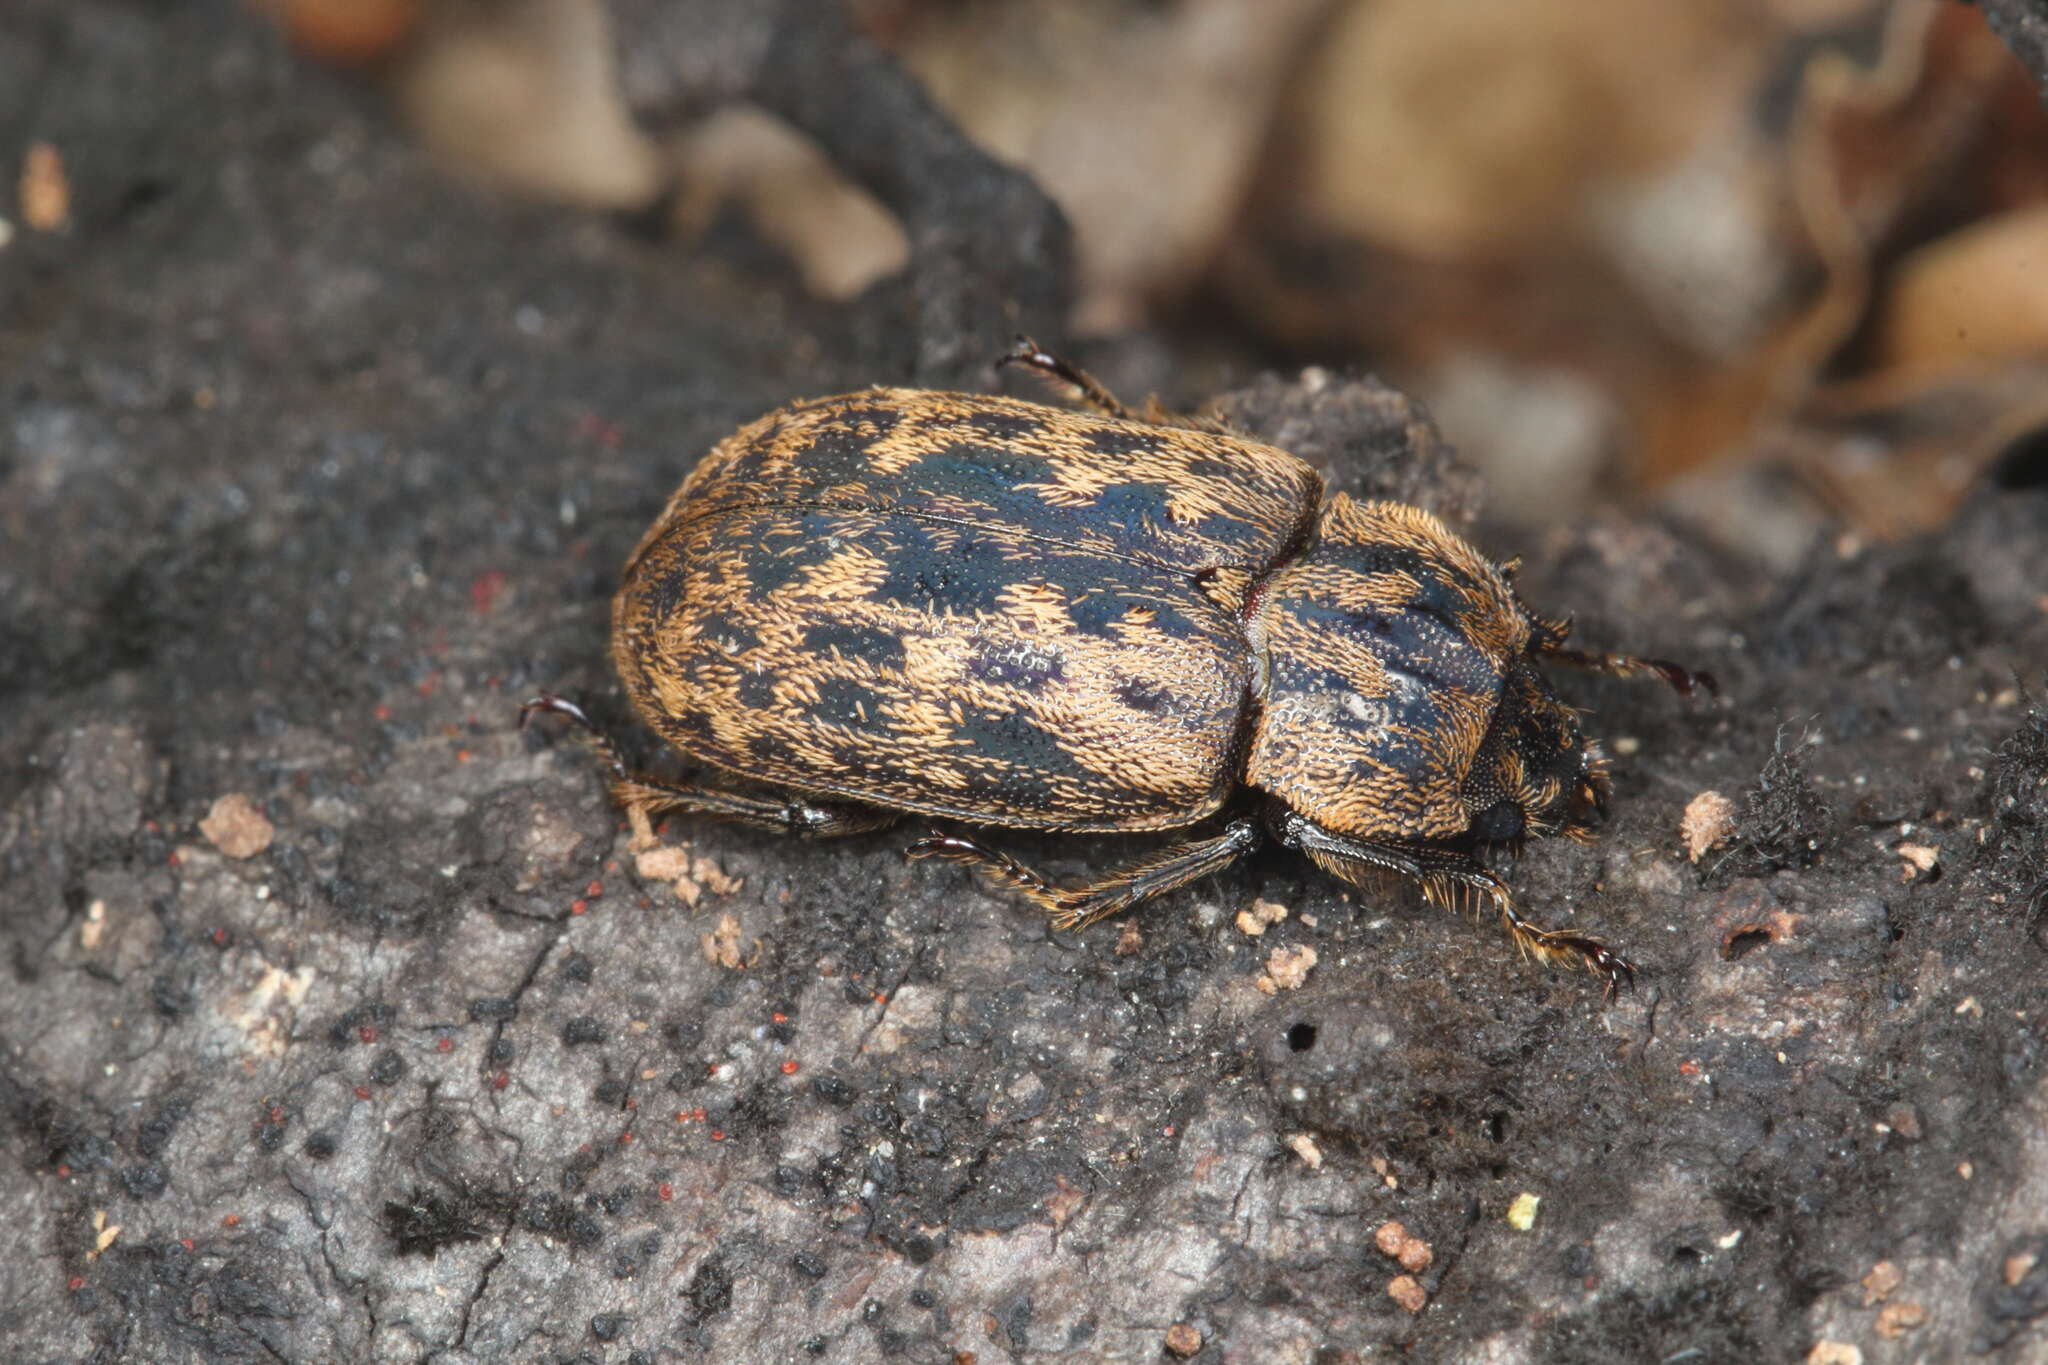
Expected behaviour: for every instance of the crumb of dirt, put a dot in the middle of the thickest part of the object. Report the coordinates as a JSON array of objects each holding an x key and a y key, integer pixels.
[
  {"x": 1522, "y": 1212},
  {"x": 722, "y": 945},
  {"x": 45, "y": 190},
  {"x": 1286, "y": 969},
  {"x": 1834, "y": 1353},
  {"x": 1129, "y": 939},
  {"x": 689, "y": 872},
  {"x": 1920, "y": 860},
  {"x": 1878, "y": 1285},
  {"x": 663, "y": 864},
  {"x": 1305, "y": 1147},
  {"x": 1407, "y": 1291},
  {"x": 1183, "y": 1340},
  {"x": 1708, "y": 821},
  {"x": 1393, "y": 1239},
  {"x": 104, "y": 1234},
  {"x": 1904, "y": 1119},
  {"x": 2023, "y": 1298},
  {"x": 1894, "y": 1320},
  {"x": 1253, "y": 922},
  {"x": 93, "y": 930},
  {"x": 237, "y": 827}
]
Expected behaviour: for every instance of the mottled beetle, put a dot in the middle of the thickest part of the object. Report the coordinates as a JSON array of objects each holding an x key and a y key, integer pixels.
[{"x": 1012, "y": 614}]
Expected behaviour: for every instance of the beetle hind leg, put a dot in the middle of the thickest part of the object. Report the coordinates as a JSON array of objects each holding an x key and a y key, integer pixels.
[
  {"x": 1071, "y": 907},
  {"x": 647, "y": 797},
  {"x": 785, "y": 815},
  {"x": 562, "y": 706}
]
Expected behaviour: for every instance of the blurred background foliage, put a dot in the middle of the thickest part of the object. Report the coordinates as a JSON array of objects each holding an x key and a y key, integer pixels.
[{"x": 1778, "y": 267}]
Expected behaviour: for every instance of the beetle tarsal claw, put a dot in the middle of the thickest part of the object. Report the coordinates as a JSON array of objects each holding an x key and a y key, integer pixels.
[
  {"x": 561, "y": 706},
  {"x": 1070, "y": 908},
  {"x": 1024, "y": 351},
  {"x": 995, "y": 865},
  {"x": 548, "y": 701},
  {"x": 1563, "y": 948}
]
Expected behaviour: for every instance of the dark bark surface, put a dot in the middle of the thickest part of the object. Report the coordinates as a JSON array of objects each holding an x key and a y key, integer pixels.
[
  {"x": 313, "y": 465},
  {"x": 2023, "y": 25}
]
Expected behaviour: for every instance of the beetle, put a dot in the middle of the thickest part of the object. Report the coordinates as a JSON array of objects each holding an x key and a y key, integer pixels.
[{"x": 1009, "y": 614}]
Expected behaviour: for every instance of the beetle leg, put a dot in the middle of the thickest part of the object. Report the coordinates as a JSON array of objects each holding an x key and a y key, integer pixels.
[
  {"x": 1683, "y": 680},
  {"x": 1024, "y": 351},
  {"x": 652, "y": 796},
  {"x": 1452, "y": 879},
  {"x": 1074, "y": 906},
  {"x": 786, "y": 815},
  {"x": 1091, "y": 391},
  {"x": 562, "y": 706},
  {"x": 1563, "y": 947}
]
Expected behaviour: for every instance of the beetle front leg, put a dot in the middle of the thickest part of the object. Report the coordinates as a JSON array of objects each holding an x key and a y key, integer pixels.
[
  {"x": 1074, "y": 906},
  {"x": 1450, "y": 878},
  {"x": 652, "y": 796}
]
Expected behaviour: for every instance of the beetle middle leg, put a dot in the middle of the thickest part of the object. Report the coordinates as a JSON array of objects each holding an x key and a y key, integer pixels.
[
  {"x": 1451, "y": 878},
  {"x": 1095, "y": 394},
  {"x": 652, "y": 796},
  {"x": 1073, "y": 906},
  {"x": 1026, "y": 352}
]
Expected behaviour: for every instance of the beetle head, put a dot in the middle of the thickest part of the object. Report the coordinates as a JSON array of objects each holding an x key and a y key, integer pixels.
[{"x": 1535, "y": 774}]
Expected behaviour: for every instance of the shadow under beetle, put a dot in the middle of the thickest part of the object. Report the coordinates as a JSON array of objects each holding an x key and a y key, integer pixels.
[{"x": 1016, "y": 615}]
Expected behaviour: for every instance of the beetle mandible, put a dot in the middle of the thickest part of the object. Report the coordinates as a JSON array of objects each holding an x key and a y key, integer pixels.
[{"x": 1010, "y": 614}]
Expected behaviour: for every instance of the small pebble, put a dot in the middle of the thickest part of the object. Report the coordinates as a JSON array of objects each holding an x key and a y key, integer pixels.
[
  {"x": 236, "y": 827},
  {"x": 1708, "y": 822},
  {"x": 1286, "y": 969}
]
